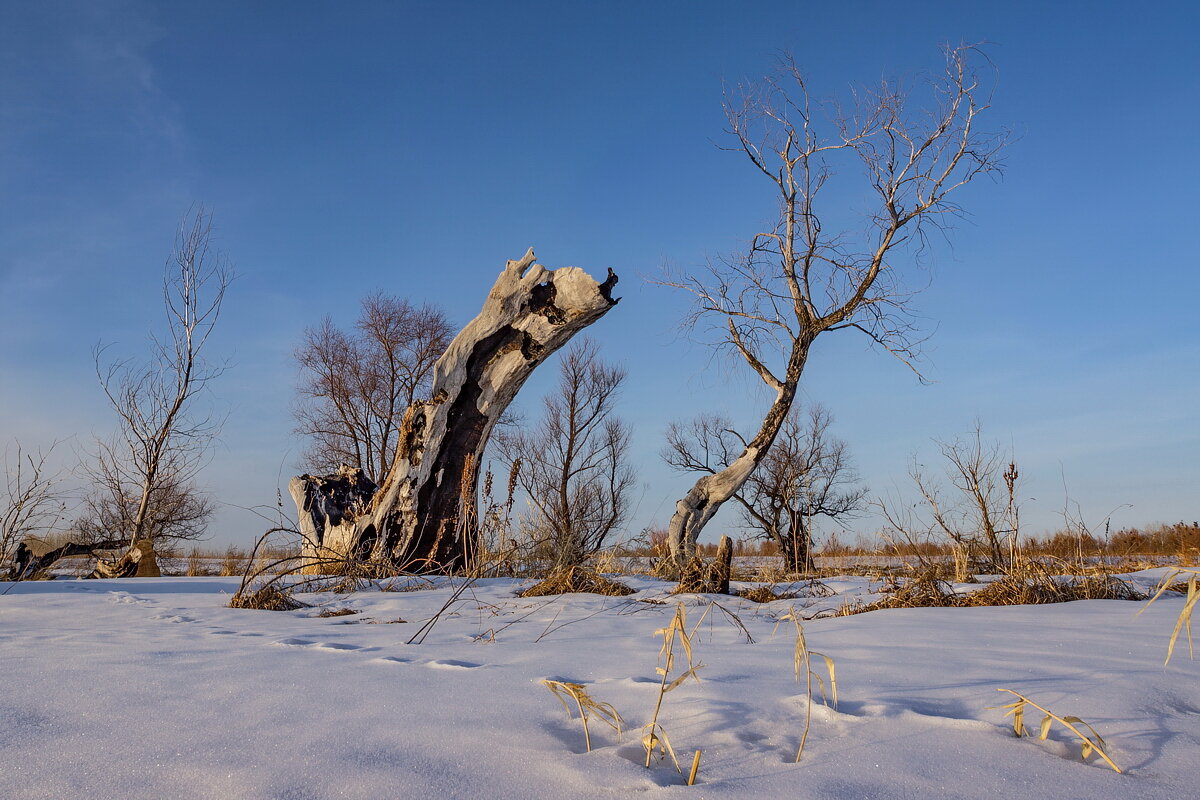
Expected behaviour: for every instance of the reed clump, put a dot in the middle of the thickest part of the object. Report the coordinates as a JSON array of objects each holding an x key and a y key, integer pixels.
[
  {"x": 1029, "y": 584},
  {"x": 766, "y": 594},
  {"x": 575, "y": 580},
  {"x": 268, "y": 598},
  {"x": 1191, "y": 590},
  {"x": 802, "y": 662},
  {"x": 1018, "y": 590}
]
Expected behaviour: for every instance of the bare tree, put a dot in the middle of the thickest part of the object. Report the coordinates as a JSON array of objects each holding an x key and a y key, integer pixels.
[
  {"x": 974, "y": 506},
  {"x": 807, "y": 474},
  {"x": 573, "y": 465},
  {"x": 178, "y": 512},
  {"x": 816, "y": 269},
  {"x": 355, "y": 386},
  {"x": 34, "y": 501},
  {"x": 144, "y": 474}
]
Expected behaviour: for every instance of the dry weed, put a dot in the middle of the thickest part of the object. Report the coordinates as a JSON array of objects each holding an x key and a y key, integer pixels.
[
  {"x": 268, "y": 598},
  {"x": 654, "y": 735},
  {"x": 802, "y": 660},
  {"x": 336, "y": 612},
  {"x": 765, "y": 594},
  {"x": 586, "y": 704},
  {"x": 1087, "y": 744},
  {"x": 576, "y": 580},
  {"x": 1184, "y": 621}
]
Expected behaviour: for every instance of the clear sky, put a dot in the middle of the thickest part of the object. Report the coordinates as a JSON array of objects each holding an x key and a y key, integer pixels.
[{"x": 413, "y": 147}]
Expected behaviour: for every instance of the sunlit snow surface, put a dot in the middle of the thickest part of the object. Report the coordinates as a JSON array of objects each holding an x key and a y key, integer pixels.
[{"x": 153, "y": 688}]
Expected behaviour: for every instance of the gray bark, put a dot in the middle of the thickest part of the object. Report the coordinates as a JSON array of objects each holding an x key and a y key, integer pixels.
[{"x": 422, "y": 517}]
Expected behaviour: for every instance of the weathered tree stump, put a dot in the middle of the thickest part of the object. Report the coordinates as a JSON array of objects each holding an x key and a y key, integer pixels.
[
  {"x": 422, "y": 519},
  {"x": 139, "y": 561}
]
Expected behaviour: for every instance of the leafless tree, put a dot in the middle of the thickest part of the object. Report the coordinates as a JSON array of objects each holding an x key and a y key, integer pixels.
[
  {"x": 807, "y": 474},
  {"x": 973, "y": 505},
  {"x": 34, "y": 498},
  {"x": 573, "y": 465},
  {"x": 175, "y": 512},
  {"x": 821, "y": 266},
  {"x": 143, "y": 476},
  {"x": 355, "y": 386}
]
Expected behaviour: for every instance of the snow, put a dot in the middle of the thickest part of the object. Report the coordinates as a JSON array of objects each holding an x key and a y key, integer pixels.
[{"x": 153, "y": 688}]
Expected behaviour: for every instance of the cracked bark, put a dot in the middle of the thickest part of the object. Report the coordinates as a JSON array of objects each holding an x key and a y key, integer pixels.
[{"x": 422, "y": 517}]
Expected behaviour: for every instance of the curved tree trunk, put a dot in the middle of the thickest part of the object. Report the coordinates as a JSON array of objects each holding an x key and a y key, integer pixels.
[
  {"x": 708, "y": 494},
  {"x": 422, "y": 517}
]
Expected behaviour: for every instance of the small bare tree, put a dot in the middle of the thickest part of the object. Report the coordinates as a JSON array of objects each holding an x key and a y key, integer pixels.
[
  {"x": 819, "y": 269},
  {"x": 176, "y": 512},
  {"x": 807, "y": 474},
  {"x": 573, "y": 465},
  {"x": 974, "y": 507},
  {"x": 356, "y": 386},
  {"x": 34, "y": 500},
  {"x": 143, "y": 477}
]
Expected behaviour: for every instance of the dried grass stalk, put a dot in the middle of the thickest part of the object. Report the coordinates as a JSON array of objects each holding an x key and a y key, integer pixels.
[
  {"x": 1087, "y": 744},
  {"x": 1184, "y": 621},
  {"x": 654, "y": 735},
  {"x": 586, "y": 705},
  {"x": 802, "y": 660}
]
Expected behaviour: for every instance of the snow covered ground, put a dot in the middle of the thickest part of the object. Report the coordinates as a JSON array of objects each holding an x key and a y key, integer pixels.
[{"x": 153, "y": 688}]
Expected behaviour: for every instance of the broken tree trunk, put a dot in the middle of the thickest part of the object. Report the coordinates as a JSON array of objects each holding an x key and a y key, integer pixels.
[
  {"x": 31, "y": 566},
  {"x": 422, "y": 519}
]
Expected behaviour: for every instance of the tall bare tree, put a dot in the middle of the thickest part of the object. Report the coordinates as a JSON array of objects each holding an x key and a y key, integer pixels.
[
  {"x": 355, "y": 386},
  {"x": 807, "y": 474},
  {"x": 821, "y": 267},
  {"x": 162, "y": 439},
  {"x": 573, "y": 460}
]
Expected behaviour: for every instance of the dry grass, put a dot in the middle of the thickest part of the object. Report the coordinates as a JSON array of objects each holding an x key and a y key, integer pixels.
[
  {"x": 1191, "y": 588},
  {"x": 268, "y": 598},
  {"x": 1017, "y": 590},
  {"x": 337, "y": 612},
  {"x": 586, "y": 704},
  {"x": 1087, "y": 744},
  {"x": 802, "y": 661},
  {"x": 1031, "y": 584},
  {"x": 576, "y": 580},
  {"x": 766, "y": 594},
  {"x": 654, "y": 735}
]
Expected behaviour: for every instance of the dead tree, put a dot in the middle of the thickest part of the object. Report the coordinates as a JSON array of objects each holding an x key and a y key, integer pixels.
[
  {"x": 143, "y": 476},
  {"x": 812, "y": 272},
  {"x": 422, "y": 516}
]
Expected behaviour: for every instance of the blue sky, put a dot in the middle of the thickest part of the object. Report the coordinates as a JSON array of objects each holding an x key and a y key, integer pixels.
[{"x": 413, "y": 147}]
